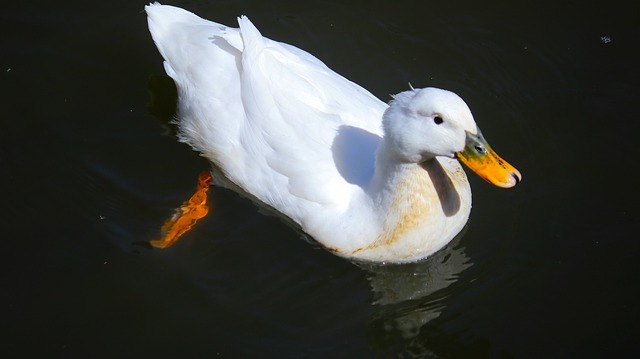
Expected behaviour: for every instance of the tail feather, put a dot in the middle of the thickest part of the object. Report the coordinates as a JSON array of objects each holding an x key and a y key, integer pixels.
[{"x": 251, "y": 36}]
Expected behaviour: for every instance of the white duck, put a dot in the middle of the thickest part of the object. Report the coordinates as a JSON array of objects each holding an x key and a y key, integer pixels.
[{"x": 367, "y": 180}]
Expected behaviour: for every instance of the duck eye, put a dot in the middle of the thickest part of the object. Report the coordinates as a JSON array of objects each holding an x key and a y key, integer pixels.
[{"x": 438, "y": 120}]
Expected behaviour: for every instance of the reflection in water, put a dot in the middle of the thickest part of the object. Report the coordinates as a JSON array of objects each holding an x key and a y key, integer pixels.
[{"x": 409, "y": 296}]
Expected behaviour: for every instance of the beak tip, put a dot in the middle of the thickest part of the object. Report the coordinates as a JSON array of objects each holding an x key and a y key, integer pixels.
[
  {"x": 512, "y": 180},
  {"x": 516, "y": 176}
]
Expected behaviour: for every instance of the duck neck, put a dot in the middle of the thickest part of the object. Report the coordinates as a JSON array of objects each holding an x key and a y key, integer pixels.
[{"x": 392, "y": 177}]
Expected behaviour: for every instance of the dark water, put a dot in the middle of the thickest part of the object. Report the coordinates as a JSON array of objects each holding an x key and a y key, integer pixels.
[{"x": 90, "y": 170}]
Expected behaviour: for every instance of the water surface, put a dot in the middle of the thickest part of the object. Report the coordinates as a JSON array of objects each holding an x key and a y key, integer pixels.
[{"x": 91, "y": 168}]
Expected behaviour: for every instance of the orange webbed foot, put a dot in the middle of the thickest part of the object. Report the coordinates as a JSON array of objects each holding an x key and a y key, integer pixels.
[{"x": 187, "y": 215}]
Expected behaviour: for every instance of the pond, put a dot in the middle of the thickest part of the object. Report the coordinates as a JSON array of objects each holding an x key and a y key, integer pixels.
[{"x": 92, "y": 168}]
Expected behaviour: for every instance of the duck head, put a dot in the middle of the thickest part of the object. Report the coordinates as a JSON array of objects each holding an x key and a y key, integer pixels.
[{"x": 424, "y": 123}]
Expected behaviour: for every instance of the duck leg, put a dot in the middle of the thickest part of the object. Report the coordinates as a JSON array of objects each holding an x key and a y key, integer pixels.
[{"x": 187, "y": 215}]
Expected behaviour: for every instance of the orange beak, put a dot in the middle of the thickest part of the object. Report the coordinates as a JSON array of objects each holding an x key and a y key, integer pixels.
[{"x": 478, "y": 156}]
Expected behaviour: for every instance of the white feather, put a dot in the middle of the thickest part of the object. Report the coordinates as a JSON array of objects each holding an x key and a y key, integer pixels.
[{"x": 302, "y": 139}]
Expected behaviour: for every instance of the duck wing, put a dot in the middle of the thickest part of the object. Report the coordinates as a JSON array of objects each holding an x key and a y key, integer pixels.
[{"x": 274, "y": 119}]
